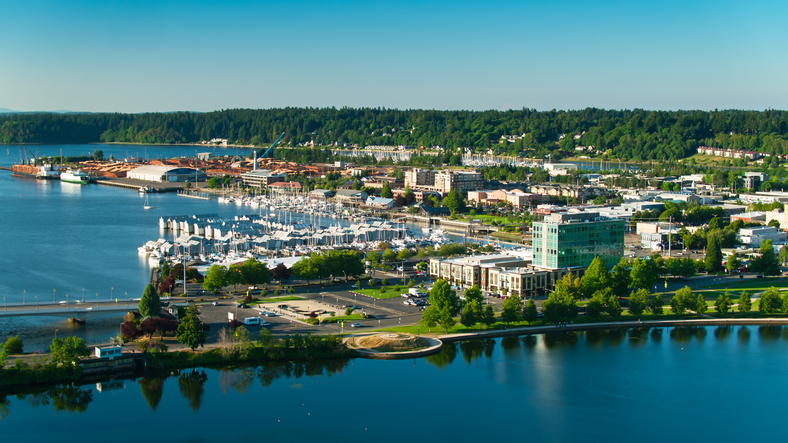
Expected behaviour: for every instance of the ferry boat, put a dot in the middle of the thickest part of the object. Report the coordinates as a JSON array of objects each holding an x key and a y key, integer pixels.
[{"x": 75, "y": 176}]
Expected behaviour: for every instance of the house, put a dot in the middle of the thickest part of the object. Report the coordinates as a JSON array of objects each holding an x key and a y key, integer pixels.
[{"x": 432, "y": 211}]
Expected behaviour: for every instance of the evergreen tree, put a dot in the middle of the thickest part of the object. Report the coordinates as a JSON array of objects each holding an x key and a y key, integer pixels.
[
  {"x": 386, "y": 191},
  {"x": 190, "y": 330},
  {"x": 770, "y": 301},
  {"x": 723, "y": 303},
  {"x": 471, "y": 313},
  {"x": 713, "y": 253},
  {"x": 150, "y": 304},
  {"x": 656, "y": 304},
  {"x": 745, "y": 304},
  {"x": 489, "y": 316},
  {"x": 700, "y": 305}
]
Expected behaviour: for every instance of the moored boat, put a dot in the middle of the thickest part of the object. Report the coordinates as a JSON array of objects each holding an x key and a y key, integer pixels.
[{"x": 75, "y": 176}]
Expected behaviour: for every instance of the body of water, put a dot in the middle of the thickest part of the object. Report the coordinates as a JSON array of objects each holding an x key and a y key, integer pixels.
[{"x": 649, "y": 385}]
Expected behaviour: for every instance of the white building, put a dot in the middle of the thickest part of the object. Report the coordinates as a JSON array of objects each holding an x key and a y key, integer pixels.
[
  {"x": 156, "y": 173},
  {"x": 754, "y": 236}
]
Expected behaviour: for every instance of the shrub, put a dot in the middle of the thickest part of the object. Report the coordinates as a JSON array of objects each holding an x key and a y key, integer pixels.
[{"x": 13, "y": 345}]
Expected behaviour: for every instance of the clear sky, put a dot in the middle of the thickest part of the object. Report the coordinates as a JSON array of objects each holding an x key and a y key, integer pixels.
[{"x": 137, "y": 56}]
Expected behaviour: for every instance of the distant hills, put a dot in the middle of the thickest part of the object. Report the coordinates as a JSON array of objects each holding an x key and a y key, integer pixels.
[{"x": 632, "y": 135}]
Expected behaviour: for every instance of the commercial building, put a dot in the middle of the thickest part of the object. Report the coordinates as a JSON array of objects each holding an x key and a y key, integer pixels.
[
  {"x": 261, "y": 178},
  {"x": 500, "y": 274},
  {"x": 443, "y": 181},
  {"x": 754, "y": 236},
  {"x": 570, "y": 239},
  {"x": 157, "y": 173}
]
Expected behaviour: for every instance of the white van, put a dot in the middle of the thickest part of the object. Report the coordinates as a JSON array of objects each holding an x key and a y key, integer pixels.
[{"x": 253, "y": 321}]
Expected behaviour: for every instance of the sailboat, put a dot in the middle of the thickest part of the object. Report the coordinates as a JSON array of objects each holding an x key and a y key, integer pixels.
[{"x": 146, "y": 205}]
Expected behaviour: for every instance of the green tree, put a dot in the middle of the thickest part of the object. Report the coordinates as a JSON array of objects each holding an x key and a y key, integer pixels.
[
  {"x": 784, "y": 306},
  {"x": 713, "y": 252},
  {"x": 620, "y": 277},
  {"x": 254, "y": 272},
  {"x": 190, "y": 330},
  {"x": 682, "y": 301},
  {"x": 700, "y": 305},
  {"x": 446, "y": 319},
  {"x": 745, "y": 303},
  {"x": 215, "y": 278},
  {"x": 644, "y": 274},
  {"x": 656, "y": 304},
  {"x": 12, "y": 346},
  {"x": 510, "y": 310},
  {"x": 596, "y": 306},
  {"x": 67, "y": 350},
  {"x": 723, "y": 303},
  {"x": 442, "y": 296},
  {"x": 767, "y": 261},
  {"x": 489, "y": 316},
  {"x": 732, "y": 263},
  {"x": 454, "y": 202},
  {"x": 430, "y": 317},
  {"x": 770, "y": 301},
  {"x": 474, "y": 293},
  {"x": 638, "y": 302},
  {"x": 595, "y": 278},
  {"x": 559, "y": 306},
  {"x": 471, "y": 313},
  {"x": 404, "y": 254},
  {"x": 389, "y": 255},
  {"x": 613, "y": 306},
  {"x": 150, "y": 304},
  {"x": 386, "y": 191},
  {"x": 530, "y": 314}
]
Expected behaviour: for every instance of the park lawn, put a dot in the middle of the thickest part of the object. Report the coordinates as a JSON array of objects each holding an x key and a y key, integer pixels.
[
  {"x": 375, "y": 292},
  {"x": 274, "y": 299},
  {"x": 328, "y": 319},
  {"x": 757, "y": 285},
  {"x": 510, "y": 236}
]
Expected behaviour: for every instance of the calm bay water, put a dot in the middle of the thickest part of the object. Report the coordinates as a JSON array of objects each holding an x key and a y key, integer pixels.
[{"x": 702, "y": 384}]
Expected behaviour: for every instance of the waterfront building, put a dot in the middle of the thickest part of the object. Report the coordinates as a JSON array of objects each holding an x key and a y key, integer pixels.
[
  {"x": 443, "y": 181},
  {"x": 261, "y": 178},
  {"x": 570, "y": 239},
  {"x": 158, "y": 173},
  {"x": 350, "y": 196}
]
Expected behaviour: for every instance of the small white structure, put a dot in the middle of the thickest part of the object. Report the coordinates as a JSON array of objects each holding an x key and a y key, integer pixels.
[{"x": 109, "y": 352}]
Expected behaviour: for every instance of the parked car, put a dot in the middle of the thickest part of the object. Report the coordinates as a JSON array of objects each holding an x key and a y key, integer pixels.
[
  {"x": 270, "y": 314},
  {"x": 265, "y": 324},
  {"x": 243, "y": 305}
]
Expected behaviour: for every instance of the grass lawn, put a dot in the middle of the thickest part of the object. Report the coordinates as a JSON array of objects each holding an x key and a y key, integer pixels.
[
  {"x": 751, "y": 286},
  {"x": 508, "y": 236},
  {"x": 328, "y": 319},
  {"x": 273, "y": 300},
  {"x": 375, "y": 292}
]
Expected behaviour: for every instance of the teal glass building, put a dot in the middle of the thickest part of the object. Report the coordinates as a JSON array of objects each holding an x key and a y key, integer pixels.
[{"x": 570, "y": 239}]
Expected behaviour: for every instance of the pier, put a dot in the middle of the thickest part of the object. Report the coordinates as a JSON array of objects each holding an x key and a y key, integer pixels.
[{"x": 79, "y": 312}]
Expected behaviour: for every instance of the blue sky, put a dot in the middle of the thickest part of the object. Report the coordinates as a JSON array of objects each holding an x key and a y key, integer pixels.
[{"x": 138, "y": 56}]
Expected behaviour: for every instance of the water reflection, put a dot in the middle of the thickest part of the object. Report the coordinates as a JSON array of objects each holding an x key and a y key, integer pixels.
[
  {"x": 471, "y": 350},
  {"x": 557, "y": 339},
  {"x": 656, "y": 335},
  {"x": 192, "y": 387},
  {"x": 69, "y": 398},
  {"x": 723, "y": 332},
  {"x": 510, "y": 343},
  {"x": 682, "y": 334},
  {"x": 152, "y": 389},
  {"x": 444, "y": 358},
  {"x": 771, "y": 332},
  {"x": 530, "y": 341},
  {"x": 744, "y": 335},
  {"x": 638, "y": 336}
]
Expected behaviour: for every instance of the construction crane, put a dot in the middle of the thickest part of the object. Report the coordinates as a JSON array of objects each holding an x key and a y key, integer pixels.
[{"x": 271, "y": 148}]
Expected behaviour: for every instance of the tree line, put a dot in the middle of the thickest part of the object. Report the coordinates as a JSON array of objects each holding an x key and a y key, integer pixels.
[{"x": 625, "y": 134}]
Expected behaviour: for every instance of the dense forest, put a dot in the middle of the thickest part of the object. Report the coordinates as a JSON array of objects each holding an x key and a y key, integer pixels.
[{"x": 635, "y": 135}]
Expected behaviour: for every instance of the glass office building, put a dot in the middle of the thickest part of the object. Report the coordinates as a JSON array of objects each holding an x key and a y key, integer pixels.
[{"x": 570, "y": 239}]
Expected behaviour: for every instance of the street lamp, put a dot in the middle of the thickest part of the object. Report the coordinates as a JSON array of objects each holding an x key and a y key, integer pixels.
[
  {"x": 53, "y": 295},
  {"x": 36, "y": 302},
  {"x": 23, "y": 295},
  {"x": 83, "y": 294},
  {"x": 111, "y": 288},
  {"x": 97, "y": 302},
  {"x": 5, "y": 303},
  {"x": 55, "y": 334},
  {"x": 66, "y": 301}
]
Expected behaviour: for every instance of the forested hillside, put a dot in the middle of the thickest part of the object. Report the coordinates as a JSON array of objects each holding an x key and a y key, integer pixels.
[{"x": 627, "y": 135}]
